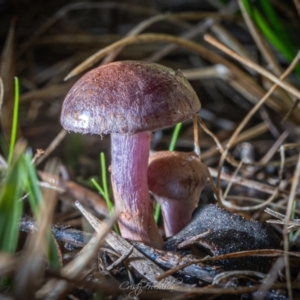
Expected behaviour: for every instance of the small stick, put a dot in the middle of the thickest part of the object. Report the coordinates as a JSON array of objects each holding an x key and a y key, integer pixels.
[
  {"x": 61, "y": 135},
  {"x": 275, "y": 214},
  {"x": 266, "y": 118},
  {"x": 289, "y": 209},
  {"x": 74, "y": 269},
  {"x": 233, "y": 175},
  {"x": 199, "y": 29},
  {"x": 266, "y": 158},
  {"x": 139, "y": 28},
  {"x": 295, "y": 104},
  {"x": 38, "y": 154},
  {"x": 270, "y": 279},
  {"x": 196, "y": 15},
  {"x": 245, "y": 135},
  {"x": 120, "y": 260},
  {"x": 193, "y": 240},
  {"x": 217, "y": 70},
  {"x": 226, "y": 275},
  {"x": 231, "y": 41},
  {"x": 260, "y": 252},
  {"x": 291, "y": 146}
]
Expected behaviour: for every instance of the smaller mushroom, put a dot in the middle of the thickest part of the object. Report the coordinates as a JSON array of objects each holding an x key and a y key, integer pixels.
[{"x": 176, "y": 180}]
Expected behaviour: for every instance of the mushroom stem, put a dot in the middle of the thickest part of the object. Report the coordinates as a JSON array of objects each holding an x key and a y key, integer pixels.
[
  {"x": 176, "y": 180},
  {"x": 130, "y": 153},
  {"x": 175, "y": 216}
]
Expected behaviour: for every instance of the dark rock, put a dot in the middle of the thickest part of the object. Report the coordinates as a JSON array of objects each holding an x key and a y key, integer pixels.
[{"x": 227, "y": 233}]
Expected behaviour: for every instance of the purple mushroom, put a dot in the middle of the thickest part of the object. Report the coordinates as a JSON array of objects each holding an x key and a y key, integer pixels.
[
  {"x": 176, "y": 180},
  {"x": 129, "y": 100}
]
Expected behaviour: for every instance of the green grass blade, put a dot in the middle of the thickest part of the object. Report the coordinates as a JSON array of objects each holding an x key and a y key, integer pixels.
[
  {"x": 104, "y": 190},
  {"x": 10, "y": 205},
  {"x": 53, "y": 255},
  {"x": 35, "y": 197},
  {"x": 278, "y": 42},
  {"x": 104, "y": 181},
  {"x": 272, "y": 16},
  {"x": 98, "y": 187},
  {"x": 272, "y": 29},
  {"x": 175, "y": 136},
  {"x": 157, "y": 212},
  {"x": 14, "y": 129}
]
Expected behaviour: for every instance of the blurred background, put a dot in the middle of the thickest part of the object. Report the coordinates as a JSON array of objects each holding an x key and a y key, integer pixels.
[{"x": 41, "y": 42}]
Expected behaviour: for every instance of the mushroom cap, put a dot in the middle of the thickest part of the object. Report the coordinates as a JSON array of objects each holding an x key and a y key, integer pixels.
[
  {"x": 128, "y": 97},
  {"x": 176, "y": 175}
]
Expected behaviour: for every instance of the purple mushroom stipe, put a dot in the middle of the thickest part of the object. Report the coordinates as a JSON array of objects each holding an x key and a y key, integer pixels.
[
  {"x": 176, "y": 180},
  {"x": 129, "y": 100}
]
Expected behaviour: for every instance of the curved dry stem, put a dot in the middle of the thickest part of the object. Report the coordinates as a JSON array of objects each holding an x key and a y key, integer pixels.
[
  {"x": 265, "y": 203},
  {"x": 249, "y": 116},
  {"x": 228, "y": 204},
  {"x": 229, "y": 158},
  {"x": 143, "y": 38},
  {"x": 215, "y": 71},
  {"x": 291, "y": 146},
  {"x": 263, "y": 252},
  {"x": 251, "y": 64},
  {"x": 198, "y": 29},
  {"x": 233, "y": 175},
  {"x": 139, "y": 28},
  {"x": 278, "y": 143},
  {"x": 292, "y": 108},
  {"x": 194, "y": 15},
  {"x": 248, "y": 134},
  {"x": 55, "y": 142},
  {"x": 227, "y": 274},
  {"x": 226, "y": 37},
  {"x": 198, "y": 152},
  {"x": 214, "y": 188},
  {"x": 270, "y": 278}
]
